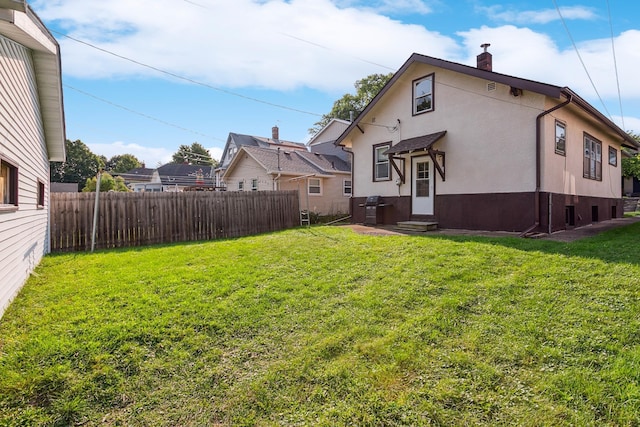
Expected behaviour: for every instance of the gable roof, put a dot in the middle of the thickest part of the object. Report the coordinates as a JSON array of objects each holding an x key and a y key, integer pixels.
[
  {"x": 19, "y": 23},
  {"x": 184, "y": 174},
  {"x": 319, "y": 137},
  {"x": 241, "y": 140},
  {"x": 293, "y": 162},
  {"x": 549, "y": 90}
]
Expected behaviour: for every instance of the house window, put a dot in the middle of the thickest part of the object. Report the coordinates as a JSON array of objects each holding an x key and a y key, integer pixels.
[
  {"x": 423, "y": 95},
  {"x": 254, "y": 184},
  {"x": 346, "y": 188},
  {"x": 40, "y": 194},
  {"x": 381, "y": 167},
  {"x": 240, "y": 185},
  {"x": 613, "y": 156},
  {"x": 592, "y": 165},
  {"x": 8, "y": 184},
  {"x": 314, "y": 186},
  {"x": 561, "y": 138}
]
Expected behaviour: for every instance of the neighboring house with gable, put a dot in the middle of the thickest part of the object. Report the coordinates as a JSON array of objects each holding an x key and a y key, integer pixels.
[
  {"x": 235, "y": 141},
  {"x": 323, "y": 181},
  {"x": 170, "y": 177},
  {"x": 324, "y": 141},
  {"x": 470, "y": 148},
  {"x": 32, "y": 133}
]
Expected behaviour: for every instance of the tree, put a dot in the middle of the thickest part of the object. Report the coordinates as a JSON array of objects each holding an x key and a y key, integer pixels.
[
  {"x": 631, "y": 165},
  {"x": 366, "y": 90},
  {"x": 122, "y": 163},
  {"x": 81, "y": 164},
  {"x": 107, "y": 183},
  {"x": 195, "y": 154}
]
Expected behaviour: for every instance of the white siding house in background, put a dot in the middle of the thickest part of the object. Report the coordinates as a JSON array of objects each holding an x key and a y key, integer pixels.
[{"x": 31, "y": 134}]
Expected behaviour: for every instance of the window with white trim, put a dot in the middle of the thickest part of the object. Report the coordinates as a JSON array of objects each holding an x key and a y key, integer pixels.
[
  {"x": 561, "y": 138},
  {"x": 381, "y": 165},
  {"x": 592, "y": 165},
  {"x": 423, "y": 95},
  {"x": 8, "y": 184},
  {"x": 240, "y": 185},
  {"x": 314, "y": 186},
  {"x": 40, "y": 194},
  {"x": 346, "y": 188},
  {"x": 254, "y": 184}
]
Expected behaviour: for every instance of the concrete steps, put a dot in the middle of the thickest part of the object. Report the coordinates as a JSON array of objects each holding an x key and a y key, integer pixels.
[{"x": 417, "y": 226}]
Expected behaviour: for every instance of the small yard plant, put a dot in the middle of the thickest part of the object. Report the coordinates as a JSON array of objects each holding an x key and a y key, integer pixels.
[{"x": 326, "y": 327}]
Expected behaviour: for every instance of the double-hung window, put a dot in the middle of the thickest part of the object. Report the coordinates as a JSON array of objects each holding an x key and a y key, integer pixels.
[
  {"x": 561, "y": 138},
  {"x": 241, "y": 185},
  {"x": 423, "y": 95},
  {"x": 381, "y": 165},
  {"x": 254, "y": 184},
  {"x": 592, "y": 164},
  {"x": 315, "y": 186},
  {"x": 346, "y": 188},
  {"x": 8, "y": 185}
]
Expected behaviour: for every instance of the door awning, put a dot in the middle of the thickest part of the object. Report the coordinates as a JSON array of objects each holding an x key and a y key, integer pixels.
[{"x": 414, "y": 144}]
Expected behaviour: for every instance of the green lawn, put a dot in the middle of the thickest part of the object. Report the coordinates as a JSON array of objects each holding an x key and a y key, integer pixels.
[{"x": 325, "y": 327}]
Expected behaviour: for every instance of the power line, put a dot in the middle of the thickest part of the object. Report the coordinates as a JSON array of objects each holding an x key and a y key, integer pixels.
[
  {"x": 615, "y": 64},
  {"x": 141, "y": 114},
  {"x": 187, "y": 79},
  {"x": 575, "y": 47}
]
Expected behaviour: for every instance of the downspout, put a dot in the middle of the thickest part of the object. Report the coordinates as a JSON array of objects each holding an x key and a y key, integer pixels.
[
  {"x": 352, "y": 186},
  {"x": 539, "y": 161}
]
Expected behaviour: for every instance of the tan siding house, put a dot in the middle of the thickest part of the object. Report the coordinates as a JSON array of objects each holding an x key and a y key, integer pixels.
[
  {"x": 31, "y": 135},
  {"x": 319, "y": 179},
  {"x": 470, "y": 148}
]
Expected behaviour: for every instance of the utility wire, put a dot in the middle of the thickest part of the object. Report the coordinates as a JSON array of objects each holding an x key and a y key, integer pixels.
[
  {"x": 187, "y": 79},
  {"x": 615, "y": 64},
  {"x": 575, "y": 47},
  {"x": 141, "y": 114}
]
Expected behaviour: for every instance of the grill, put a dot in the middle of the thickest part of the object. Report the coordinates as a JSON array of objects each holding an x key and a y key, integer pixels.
[{"x": 372, "y": 212}]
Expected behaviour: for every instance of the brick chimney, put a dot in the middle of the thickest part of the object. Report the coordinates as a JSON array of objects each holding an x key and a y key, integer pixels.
[
  {"x": 275, "y": 133},
  {"x": 485, "y": 61}
]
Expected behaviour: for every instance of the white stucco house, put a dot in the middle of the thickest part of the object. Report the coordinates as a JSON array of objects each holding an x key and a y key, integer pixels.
[
  {"x": 470, "y": 148},
  {"x": 32, "y": 133}
]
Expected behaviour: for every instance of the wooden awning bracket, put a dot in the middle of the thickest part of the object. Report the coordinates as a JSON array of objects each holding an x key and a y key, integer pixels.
[
  {"x": 439, "y": 167},
  {"x": 400, "y": 173}
]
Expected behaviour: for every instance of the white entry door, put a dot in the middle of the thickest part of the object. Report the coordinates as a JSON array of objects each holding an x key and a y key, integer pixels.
[{"x": 422, "y": 186}]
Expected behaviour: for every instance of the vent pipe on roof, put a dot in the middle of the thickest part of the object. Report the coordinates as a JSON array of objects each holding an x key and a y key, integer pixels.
[{"x": 485, "y": 59}]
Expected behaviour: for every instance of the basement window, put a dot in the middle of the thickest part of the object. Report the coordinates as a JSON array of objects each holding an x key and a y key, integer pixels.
[{"x": 8, "y": 186}]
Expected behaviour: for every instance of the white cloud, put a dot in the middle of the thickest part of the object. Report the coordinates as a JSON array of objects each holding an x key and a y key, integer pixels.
[
  {"x": 151, "y": 156},
  {"x": 238, "y": 44},
  {"x": 544, "y": 16}
]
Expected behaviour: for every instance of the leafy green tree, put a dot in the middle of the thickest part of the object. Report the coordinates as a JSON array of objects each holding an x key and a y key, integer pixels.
[
  {"x": 195, "y": 154},
  {"x": 631, "y": 165},
  {"x": 107, "y": 183},
  {"x": 81, "y": 164},
  {"x": 122, "y": 163},
  {"x": 366, "y": 89}
]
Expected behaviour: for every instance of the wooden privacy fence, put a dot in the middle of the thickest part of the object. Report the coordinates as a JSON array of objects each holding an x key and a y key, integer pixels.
[{"x": 135, "y": 219}]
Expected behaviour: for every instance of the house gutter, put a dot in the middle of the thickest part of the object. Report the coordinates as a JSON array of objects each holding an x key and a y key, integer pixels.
[{"x": 539, "y": 161}]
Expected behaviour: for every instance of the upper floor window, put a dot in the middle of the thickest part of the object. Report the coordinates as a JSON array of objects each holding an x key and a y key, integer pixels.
[
  {"x": 346, "y": 188},
  {"x": 315, "y": 186},
  {"x": 254, "y": 184},
  {"x": 561, "y": 138},
  {"x": 240, "y": 185},
  {"x": 592, "y": 164},
  {"x": 613, "y": 156},
  {"x": 423, "y": 95},
  {"x": 381, "y": 166},
  {"x": 8, "y": 184}
]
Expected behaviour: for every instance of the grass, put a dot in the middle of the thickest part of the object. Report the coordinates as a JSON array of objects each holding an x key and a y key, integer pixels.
[{"x": 326, "y": 327}]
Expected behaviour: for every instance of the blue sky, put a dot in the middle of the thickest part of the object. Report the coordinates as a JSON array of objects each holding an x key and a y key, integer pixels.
[{"x": 146, "y": 76}]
